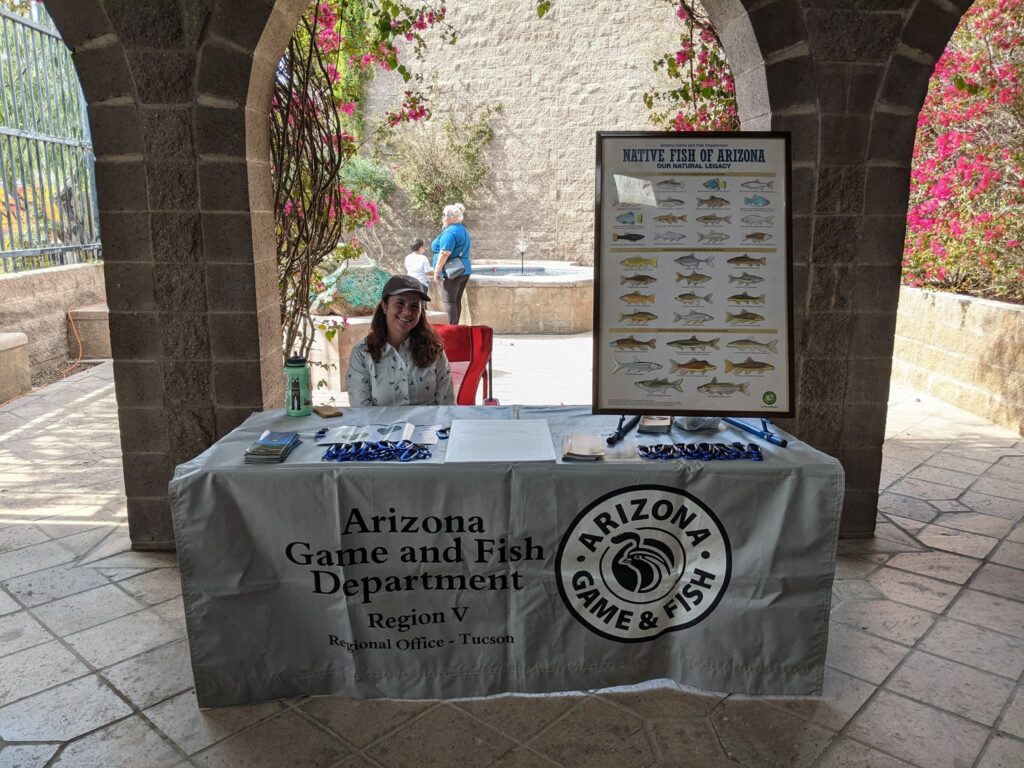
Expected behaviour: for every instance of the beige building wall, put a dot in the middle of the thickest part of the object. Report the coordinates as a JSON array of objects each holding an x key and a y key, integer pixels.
[
  {"x": 36, "y": 303},
  {"x": 968, "y": 352},
  {"x": 580, "y": 69}
]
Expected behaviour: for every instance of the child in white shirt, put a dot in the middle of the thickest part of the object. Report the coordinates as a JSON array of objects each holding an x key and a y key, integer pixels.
[{"x": 417, "y": 264}]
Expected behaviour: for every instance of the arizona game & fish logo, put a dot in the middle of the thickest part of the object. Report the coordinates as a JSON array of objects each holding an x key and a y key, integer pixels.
[{"x": 642, "y": 561}]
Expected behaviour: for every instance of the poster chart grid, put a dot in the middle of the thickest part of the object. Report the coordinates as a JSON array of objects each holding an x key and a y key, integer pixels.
[{"x": 693, "y": 274}]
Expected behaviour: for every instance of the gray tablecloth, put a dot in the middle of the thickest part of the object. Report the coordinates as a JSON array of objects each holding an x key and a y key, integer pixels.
[{"x": 433, "y": 580}]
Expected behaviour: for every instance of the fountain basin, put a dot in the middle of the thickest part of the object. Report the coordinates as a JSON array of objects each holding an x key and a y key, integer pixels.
[{"x": 550, "y": 298}]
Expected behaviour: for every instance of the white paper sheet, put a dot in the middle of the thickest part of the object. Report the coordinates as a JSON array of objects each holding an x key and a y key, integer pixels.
[{"x": 476, "y": 441}]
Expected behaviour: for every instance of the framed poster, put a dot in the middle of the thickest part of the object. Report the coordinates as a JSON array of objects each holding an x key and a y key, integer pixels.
[{"x": 693, "y": 274}]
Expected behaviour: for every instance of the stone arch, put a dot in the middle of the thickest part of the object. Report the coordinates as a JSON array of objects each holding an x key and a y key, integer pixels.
[
  {"x": 177, "y": 96},
  {"x": 193, "y": 315}
]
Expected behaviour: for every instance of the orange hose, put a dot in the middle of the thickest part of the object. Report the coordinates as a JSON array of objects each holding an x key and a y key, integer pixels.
[{"x": 64, "y": 372}]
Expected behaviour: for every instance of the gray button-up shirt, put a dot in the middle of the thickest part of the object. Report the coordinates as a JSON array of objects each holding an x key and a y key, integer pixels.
[{"x": 396, "y": 380}]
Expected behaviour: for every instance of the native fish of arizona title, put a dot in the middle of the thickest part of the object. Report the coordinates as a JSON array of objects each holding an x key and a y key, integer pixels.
[{"x": 689, "y": 155}]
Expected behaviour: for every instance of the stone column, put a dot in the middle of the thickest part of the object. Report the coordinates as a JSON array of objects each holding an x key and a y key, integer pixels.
[{"x": 193, "y": 308}]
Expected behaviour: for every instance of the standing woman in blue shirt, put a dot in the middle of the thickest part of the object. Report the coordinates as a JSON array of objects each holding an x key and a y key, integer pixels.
[
  {"x": 451, "y": 249},
  {"x": 401, "y": 361}
]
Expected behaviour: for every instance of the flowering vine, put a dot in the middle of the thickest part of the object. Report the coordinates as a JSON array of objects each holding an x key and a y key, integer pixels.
[
  {"x": 702, "y": 94},
  {"x": 317, "y": 129},
  {"x": 964, "y": 228}
]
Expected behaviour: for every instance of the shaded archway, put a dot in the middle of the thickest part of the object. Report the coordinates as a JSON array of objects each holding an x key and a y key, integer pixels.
[{"x": 178, "y": 96}]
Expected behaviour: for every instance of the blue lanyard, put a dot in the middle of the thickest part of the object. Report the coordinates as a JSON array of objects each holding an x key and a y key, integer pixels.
[
  {"x": 385, "y": 450},
  {"x": 700, "y": 451}
]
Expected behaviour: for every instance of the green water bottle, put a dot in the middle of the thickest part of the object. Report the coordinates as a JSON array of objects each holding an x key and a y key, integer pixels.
[{"x": 298, "y": 400}]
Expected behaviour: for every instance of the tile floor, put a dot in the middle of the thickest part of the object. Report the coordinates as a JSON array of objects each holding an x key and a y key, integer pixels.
[{"x": 925, "y": 662}]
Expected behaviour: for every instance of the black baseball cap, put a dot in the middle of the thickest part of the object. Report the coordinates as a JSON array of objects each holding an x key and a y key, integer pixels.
[{"x": 404, "y": 284}]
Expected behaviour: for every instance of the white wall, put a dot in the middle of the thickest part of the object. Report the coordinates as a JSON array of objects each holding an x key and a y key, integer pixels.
[{"x": 580, "y": 69}]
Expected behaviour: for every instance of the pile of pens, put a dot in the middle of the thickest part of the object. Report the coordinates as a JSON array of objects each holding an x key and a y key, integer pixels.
[{"x": 700, "y": 451}]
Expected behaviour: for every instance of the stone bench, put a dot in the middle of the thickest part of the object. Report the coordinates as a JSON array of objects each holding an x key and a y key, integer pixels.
[
  {"x": 15, "y": 374},
  {"x": 91, "y": 322},
  {"x": 329, "y": 359}
]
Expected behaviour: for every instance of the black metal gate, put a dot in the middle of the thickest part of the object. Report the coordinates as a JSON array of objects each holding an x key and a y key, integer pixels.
[{"x": 48, "y": 214}]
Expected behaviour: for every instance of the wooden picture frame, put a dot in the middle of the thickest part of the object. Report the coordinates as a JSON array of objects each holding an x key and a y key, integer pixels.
[{"x": 693, "y": 263}]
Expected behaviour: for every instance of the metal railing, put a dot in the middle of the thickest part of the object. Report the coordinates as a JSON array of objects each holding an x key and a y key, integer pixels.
[{"x": 48, "y": 214}]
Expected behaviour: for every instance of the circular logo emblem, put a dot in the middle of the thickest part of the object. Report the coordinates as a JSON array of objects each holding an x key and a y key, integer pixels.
[
  {"x": 769, "y": 398},
  {"x": 642, "y": 561}
]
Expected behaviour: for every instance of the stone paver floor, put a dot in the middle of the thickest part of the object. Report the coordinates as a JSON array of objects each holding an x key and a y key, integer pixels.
[{"x": 926, "y": 649}]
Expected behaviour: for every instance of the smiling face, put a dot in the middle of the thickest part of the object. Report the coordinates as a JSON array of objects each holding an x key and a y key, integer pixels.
[{"x": 402, "y": 312}]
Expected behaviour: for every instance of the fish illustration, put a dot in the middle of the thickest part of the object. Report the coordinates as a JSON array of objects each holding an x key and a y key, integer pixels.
[
  {"x": 712, "y": 237},
  {"x": 638, "y": 318},
  {"x": 693, "y": 298},
  {"x": 692, "y": 318},
  {"x": 660, "y": 385},
  {"x": 671, "y": 218},
  {"x": 694, "y": 344},
  {"x": 746, "y": 261},
  {"x": 636, "y": 365},
  {"x": 693, "y": 365},
  {"x": 743, "y": 318},
  {"x": 756, "y": 201},
  {"x": 638, "y": 279},
  {"x": 631, "y": 236},
  {"x": 745, "y": 279},
  {"x": 714, "y": 220},
  {"x": 714, "y": 184},
  {"x": 716, "y": 388},
  {"x": 670, "y": 184},
  {"x": 670, "y": 202},
  {"x": 756, "y": 220},
  {"x": 692, "y": 262},
  {"x": 694, "y": 278},
  {"x": 748, "y": 367},
  {"x": 637, "y": 298},
  {"x": 671, "y": 235},
  {"x": 630, "y": 217},
  {"x": 639, "y": 262},
  {"x": 757, "y": 237},
  {"x": 757, "y": 185},
  {"x": 712, "y": 202},
  {"x": 746, "y": 298},
  {"x": 631, "y": 344},
  {"x": 752, "y": 345}
]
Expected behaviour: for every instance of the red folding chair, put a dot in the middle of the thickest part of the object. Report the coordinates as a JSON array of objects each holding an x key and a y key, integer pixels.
[{"x": 468, "y": 348}]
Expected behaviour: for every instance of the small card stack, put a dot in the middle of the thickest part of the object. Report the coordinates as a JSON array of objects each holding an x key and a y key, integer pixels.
[
  {"x": 655, "y": 424},
  {"x": 577, "y": 447},
  {"x": 271, "y": 447}
]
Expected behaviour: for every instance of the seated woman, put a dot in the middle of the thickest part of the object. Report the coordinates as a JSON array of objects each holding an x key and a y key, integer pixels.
[{"x": 401, "y": 361}]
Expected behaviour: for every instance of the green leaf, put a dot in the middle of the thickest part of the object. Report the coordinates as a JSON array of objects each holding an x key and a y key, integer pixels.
[{"x": 543, "y": 6}]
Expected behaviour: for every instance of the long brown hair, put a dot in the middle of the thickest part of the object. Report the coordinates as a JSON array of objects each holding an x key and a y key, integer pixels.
[{"x": 424, "y": 342}]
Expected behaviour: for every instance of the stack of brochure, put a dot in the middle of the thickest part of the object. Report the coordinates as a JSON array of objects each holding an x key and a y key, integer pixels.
[
  {"x": 655, "y": 424},
  {"x": 271, "y": 447},
  {"x": 577, "y": 447}
]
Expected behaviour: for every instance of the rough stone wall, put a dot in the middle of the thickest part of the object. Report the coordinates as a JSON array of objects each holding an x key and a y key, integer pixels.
[
  {"x": 965, "y": 351},
  {"x": 580, "y": 69},
  {"x": 36, "y": 303}
]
